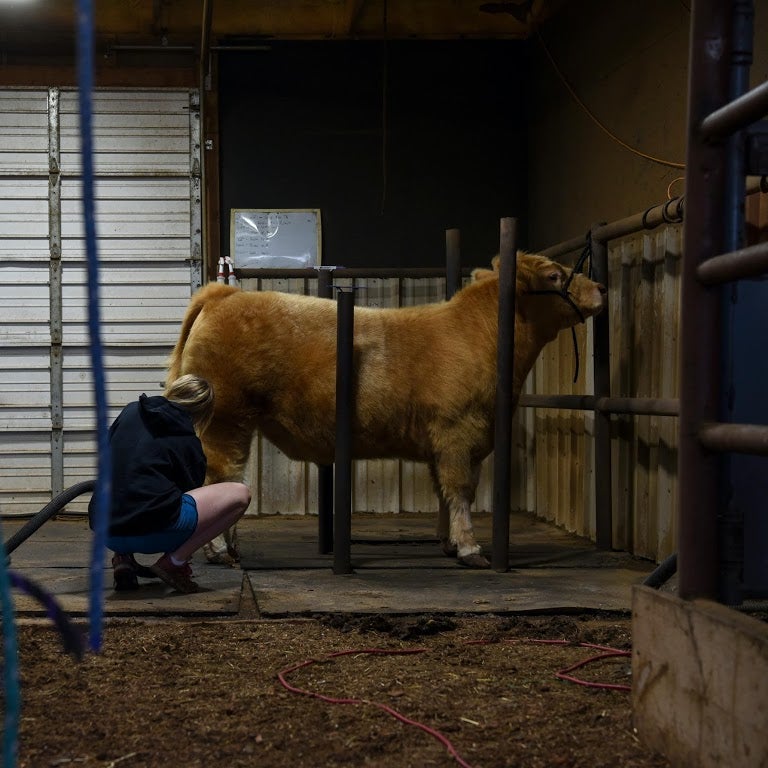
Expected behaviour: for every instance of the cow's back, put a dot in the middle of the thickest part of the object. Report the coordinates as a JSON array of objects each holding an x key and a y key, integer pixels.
[{"x": 271, "y": 358}]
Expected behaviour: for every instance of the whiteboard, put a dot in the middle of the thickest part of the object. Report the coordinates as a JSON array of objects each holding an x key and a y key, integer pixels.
[{"x": 286, "y": 238}]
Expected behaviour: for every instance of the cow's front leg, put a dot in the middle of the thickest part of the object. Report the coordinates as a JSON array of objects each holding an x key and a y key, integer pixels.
[
  {"x": 463, "y": 535},
  {"x": 458, "y": 479},
  {"x": 226, "y": 447},
  {"x": 219, "y": 551}
]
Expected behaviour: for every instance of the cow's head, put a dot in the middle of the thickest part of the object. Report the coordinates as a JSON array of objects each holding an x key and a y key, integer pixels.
[{"x": 549, "y": 295}]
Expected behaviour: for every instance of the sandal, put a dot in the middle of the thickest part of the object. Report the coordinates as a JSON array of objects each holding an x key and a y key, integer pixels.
[{"x": 177, "y": 576}]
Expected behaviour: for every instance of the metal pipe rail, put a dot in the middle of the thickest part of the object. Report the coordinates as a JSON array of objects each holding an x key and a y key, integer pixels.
[
  {"x": 668, "y": 212},
  {"x": 370, "y": 273},
  {"x": 744, "y": 263},
  {"x": 634, "y": 406},
  {"x": 735, "y": 438},
  {"x": 739, "y": 113}
]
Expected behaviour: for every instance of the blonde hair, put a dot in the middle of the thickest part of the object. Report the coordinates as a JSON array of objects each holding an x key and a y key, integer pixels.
[{"x": 195, "y": 395}]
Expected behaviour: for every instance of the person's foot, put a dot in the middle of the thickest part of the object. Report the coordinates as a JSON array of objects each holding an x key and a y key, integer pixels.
[
  {"x": 124, "y": 573},
  {"x": 143, "y": 571},
  {"x": 177, "y": 576}
]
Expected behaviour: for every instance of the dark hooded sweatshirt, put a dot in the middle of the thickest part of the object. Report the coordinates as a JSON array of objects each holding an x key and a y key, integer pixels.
[{"x": 156, "y": 457}]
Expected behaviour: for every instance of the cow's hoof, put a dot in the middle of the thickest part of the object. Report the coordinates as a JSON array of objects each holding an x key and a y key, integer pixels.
[
  {"x": 221, "y": 558},
  {"x": 475, "y": 560},
  {"x": 448, "y": 548}
]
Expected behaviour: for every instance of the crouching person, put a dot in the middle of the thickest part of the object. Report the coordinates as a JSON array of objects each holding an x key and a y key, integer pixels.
[{"x": 159, "y": 502}]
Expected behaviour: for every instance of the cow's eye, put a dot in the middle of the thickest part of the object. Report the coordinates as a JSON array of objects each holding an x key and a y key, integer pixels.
[{"x": 554, "y": 277}]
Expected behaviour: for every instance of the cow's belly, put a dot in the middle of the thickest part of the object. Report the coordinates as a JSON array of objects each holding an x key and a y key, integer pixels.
[{"x": 317, "y": 442}]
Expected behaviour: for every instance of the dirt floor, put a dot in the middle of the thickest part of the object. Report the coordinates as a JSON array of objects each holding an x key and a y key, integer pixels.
[{"x": 416, "y": 691}]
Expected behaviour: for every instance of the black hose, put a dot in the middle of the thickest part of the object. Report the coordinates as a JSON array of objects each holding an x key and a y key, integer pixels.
[
  {"x": 665, "y": 570},
  {"x": 47, "y": 512}
]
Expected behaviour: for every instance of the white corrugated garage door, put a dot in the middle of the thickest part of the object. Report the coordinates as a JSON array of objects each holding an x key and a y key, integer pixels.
[{"x": 146, "y": 146}]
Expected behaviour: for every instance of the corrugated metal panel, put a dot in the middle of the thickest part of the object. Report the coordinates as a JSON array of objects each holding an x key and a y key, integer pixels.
[
  {"x": 146, "y": 238},
  {"x": 25, "y": 338},
  {"x": 643, "y": 294},
  {"x": 24, "y": 130},
  {"x": 143, "y": 133}
]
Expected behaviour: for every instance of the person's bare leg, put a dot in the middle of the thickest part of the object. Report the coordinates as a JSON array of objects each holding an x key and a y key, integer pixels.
[{"x": 219, "y": 506}]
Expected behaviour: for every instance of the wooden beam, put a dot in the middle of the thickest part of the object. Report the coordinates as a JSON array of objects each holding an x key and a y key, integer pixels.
[{"x": 106, "y": 77}]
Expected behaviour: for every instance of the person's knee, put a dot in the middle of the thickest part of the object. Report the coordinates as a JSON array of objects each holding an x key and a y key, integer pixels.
[{"x": 244, "y": 496}]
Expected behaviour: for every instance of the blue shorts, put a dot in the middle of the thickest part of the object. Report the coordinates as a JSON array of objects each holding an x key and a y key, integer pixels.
[{"x": 168, "y": 540}]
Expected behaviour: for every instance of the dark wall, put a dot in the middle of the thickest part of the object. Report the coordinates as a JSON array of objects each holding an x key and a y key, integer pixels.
[{"x": 394, "y": 143}]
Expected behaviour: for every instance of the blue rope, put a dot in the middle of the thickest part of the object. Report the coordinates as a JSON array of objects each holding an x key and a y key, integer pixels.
[
  {"x": 103, "y": 491},
  {"x": 11, "y": 689}
]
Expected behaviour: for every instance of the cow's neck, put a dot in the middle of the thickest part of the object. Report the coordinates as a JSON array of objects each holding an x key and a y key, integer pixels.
[
  {"x": 529, "y": 341},
  {"x": 478, "y": 304}
]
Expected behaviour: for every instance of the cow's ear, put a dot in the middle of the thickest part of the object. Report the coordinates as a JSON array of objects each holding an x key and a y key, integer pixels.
[
  {"x": 482, "y": 274},
  {"x": 495, "y": 261},
  {"x": 523, "y": 286}
]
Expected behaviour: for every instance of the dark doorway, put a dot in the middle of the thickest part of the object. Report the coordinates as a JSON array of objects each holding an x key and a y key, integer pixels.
[{"x": 394, "y": 142}]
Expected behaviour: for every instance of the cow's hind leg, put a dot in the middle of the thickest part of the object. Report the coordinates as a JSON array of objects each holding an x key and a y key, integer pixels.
[
  {"x": 458, "y": 479},
  {"x": 443, "y": 516},
  {"x": 227, "y": 448}
]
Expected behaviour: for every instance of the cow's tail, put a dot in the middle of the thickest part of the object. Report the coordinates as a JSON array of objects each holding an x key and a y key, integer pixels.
[{"x": 213, "y": 292}]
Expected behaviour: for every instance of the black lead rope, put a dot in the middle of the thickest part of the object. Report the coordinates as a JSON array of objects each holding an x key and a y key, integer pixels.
[{"x": 566, "y": 296}]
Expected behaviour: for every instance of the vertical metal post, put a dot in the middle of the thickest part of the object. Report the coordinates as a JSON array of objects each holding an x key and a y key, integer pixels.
[
  {"x": 505, "y": 403},
  {"x": 452, "y": 262},
  {"x": 735, "y": 503},
  {"x": 325, "y": 471},
  {"x": 342, "y": 529},
  {"x": 699, "y": 471},
  {"x": 602, "y": 376},
  {"x": 195, "y": 194},
  {"x": 55, "y": 294}
]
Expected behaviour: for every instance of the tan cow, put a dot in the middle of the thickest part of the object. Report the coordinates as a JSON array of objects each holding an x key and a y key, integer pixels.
[{"x": 425, "y": 377}]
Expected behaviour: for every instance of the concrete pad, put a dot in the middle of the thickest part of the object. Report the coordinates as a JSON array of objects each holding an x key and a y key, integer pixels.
[
  {"x": 408, "y": 541},
  {"x": 399, "y": 568},
  {"x": 394, "y": 591},
  {"x": 57, "y": 557},
  {"x": 700, "y": 681}
]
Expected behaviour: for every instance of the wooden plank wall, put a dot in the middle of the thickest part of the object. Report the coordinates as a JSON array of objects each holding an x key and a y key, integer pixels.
[{"x": 643, "y": 296}]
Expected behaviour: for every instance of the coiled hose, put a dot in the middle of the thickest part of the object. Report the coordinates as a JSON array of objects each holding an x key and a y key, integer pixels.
[{"x": 46, "y": 513}]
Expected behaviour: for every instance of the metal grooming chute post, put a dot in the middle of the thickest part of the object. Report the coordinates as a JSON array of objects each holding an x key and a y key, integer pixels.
[
  {"x": 505, "y": 404},
  {"x": 325, "y": 472},
  {"x": 345, "y": 405}
]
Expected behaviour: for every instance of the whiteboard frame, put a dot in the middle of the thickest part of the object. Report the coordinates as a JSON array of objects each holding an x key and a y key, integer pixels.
[{"x": 235, "y": 212}]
